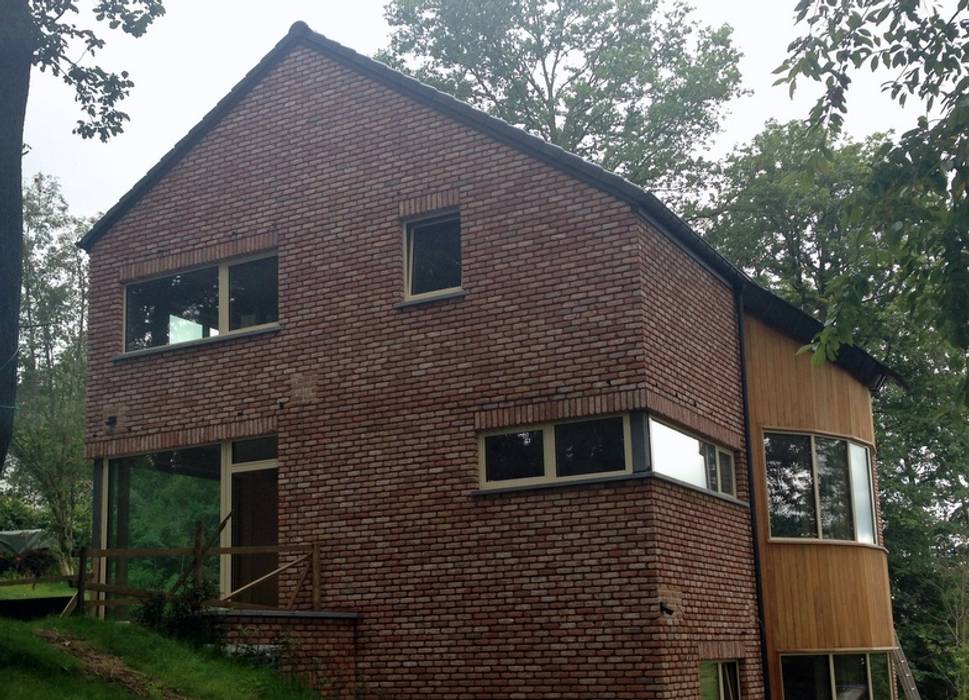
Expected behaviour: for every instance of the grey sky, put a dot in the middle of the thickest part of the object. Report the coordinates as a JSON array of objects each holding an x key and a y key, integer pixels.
[{"x": 194, "y": 55}]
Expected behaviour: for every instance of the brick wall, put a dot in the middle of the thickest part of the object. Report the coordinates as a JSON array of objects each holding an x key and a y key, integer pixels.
[{"x": 574, "y": 306}]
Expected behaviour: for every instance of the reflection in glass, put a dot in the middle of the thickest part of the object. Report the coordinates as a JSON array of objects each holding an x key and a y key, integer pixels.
[
  {"x": 677, "y": 454},
  {"x": 253, "y": 293},
  {"x": 709, "y": 681},
  {"x": 881, "y": 677},
  {"x": 589, "y": 447},
  {"x": 730, "y": 679},
  {"x": 850, "y": 677},
  {"x": 514, "y": 456},
  {"x": 254, "y": 523},
  {"x": 861, "y": 493},
  {"x": 806, "y": 677},
  {"x": 172, "y": 309},
  {"x": 254, "y": 449},
  {"x": 834, "y": 489},
  {"x": 790, "y": 485},
  {"x": 435, "y": 255},
  {"x": 728, "y": 479}
]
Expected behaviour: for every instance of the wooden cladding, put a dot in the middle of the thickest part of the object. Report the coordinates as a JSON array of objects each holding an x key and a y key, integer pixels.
[{"x": 819, "y": 596}]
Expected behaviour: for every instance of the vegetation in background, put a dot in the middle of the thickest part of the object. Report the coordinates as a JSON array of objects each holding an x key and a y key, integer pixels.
[
  {"x": 792, "y": 210},
  {"x": 42, "y": 667},
  {"x": 638, "y": 86},
  {"x": 47, "y": 465},
  {"x": 44, "y": 34},
  {"x": 182, "y": 617}
]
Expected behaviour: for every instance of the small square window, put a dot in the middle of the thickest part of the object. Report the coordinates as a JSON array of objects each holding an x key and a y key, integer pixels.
[
  {"x": 514, "y": 456},
  {"x": 433, "y": 256}
]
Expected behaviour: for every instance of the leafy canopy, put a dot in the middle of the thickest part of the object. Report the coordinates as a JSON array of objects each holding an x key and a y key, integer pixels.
[{"x": 634, "y": 85}]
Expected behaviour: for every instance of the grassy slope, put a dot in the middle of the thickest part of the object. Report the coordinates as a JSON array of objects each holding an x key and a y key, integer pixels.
[
  {"x": 41, "y": 590},
  {"x": 32, "y": 668}
]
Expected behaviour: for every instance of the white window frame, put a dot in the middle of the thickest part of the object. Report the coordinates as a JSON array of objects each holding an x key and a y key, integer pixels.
[
  {"x": 867, "y": 653},
  {"x": 408, "y": 225},
  {"x": 548, "y": 450},
  {"x": 720, "y": 450},
  {"x": 817, "y": 488},
  {"x": 223, "y": 283}
]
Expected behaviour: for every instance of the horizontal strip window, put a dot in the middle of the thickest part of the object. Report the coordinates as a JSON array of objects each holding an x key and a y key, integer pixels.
[
  {"x": 201, "y": 303},
  {"x": 552, "y": 452},
  {"x": 828, "y": 676},
  {"x": 690, "y": 459},
  {"x": 819, "y": 488},
  {"x": 719, "y": 680}
]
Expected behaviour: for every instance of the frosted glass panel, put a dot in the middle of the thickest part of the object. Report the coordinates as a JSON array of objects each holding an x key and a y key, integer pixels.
[
  {"x": 861, "y": 493},
  {"x": 677, "y": 455}
]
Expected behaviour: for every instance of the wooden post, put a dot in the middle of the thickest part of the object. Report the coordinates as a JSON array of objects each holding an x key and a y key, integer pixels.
[
  {"x": 316, "y": 575},
  {"x": 81, "y": 576},
  {"x": 199, "y": 551}
]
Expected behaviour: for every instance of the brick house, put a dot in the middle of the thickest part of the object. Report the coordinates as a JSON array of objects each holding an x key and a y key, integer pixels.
[{"x": 550, "y": 443}]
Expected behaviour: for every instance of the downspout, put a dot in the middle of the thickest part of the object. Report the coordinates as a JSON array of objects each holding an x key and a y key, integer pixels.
[{"x": 758, "y": 579}]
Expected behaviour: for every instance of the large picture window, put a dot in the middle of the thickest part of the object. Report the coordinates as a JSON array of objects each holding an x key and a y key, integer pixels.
[
  {"x": 837, "y": 677},
  {"x": 556, "y": 452},
  {"x": 201, "y": 303},
  {"x": 686, "y": 458},
  {"x": 818, "y": 487}
]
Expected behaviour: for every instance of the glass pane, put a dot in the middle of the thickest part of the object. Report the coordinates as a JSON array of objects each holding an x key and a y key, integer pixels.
[
  {"x": 709, "y": 681},
  {"x": 253, "y": 293},
  {"x": 881, "y": 677},
  {"x": 154, "y": 501},
  {"x": 851, "y": 677},
  {"x": 254, "y": 450},
  {"x": 710, "y": 455},
  {"x": 172, "y": 309},
  {"x": 806, "y": 677},
  {"x": 514, "y": 456},
  {"x": 435, "y": 250},
  {"x": 589, "y": 447},
  {"x": 677, "y": 454},
  {"x": 834, "y": 489},
  {"x": 728, "y": 483},
  {"x": 254, "y": 522},
  {"x": 861, "y": 500},
  {"x": 730, "y": 679},
  {"x": 790, "y": 485}
]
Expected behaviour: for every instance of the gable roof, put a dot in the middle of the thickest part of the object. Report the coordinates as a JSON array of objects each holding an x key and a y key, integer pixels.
[{"x": 757, "y": 300}]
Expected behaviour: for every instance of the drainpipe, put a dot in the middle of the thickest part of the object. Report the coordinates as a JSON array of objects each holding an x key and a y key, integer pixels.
[{"x": 758, "y": 579}]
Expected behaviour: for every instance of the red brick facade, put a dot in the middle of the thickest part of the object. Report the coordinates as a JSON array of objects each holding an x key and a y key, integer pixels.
[{"x": 574, "y": 306}]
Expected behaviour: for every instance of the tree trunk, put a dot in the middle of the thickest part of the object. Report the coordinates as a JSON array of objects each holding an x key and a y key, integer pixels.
[{"x": 17, "y": 40}]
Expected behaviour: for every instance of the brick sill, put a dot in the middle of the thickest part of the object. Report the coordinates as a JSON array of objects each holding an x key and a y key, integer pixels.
[
  {"x": 481, "y": 493},
  {"x": 135, "y": 354}
]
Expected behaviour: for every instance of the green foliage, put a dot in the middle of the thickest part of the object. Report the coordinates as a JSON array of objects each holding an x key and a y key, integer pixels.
[
  {"x": 18, "y": 514},
  {"x": 636, "y": 86},
  {"x": 921, "y": 184},
  {"x": 791, "y": 209},
  {"x": 47, "y": 464},
  {"x": 184, "y": 616}
]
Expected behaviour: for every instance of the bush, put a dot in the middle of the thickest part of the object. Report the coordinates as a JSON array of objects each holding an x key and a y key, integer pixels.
[{"x": 182, "y": 617}]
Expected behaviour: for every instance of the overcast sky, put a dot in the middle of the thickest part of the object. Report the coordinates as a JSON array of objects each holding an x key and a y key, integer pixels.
[{"x": 193, "y": 55}]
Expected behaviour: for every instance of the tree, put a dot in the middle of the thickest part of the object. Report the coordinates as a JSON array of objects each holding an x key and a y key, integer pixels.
[
  {"x": 47, "y": 452},
  {"x": 41, "y": 33},
  {"x": 923, "y": 178},
  {"x": 790, "y": 209},
  {"x": 634, "y": 86}
]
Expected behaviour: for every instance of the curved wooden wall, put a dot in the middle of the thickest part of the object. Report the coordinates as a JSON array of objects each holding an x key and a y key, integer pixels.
[{"x": 818, "y": 596}]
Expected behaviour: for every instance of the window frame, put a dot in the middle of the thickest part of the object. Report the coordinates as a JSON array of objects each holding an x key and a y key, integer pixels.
[
  {"x": 548, "y": 453},
  {"x": 720, "y": 663},
  {"x": 867, "y": 653},
  {"x": 819, "y": 535},
  {"x": 720, "y": 450},
  {"x": 408, "y": 246},
  {"x": 222, "y": 268}
]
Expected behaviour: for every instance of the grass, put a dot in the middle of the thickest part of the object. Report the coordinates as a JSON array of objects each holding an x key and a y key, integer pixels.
[
  {"x": 41, "y": 590},
  {"x": 34, "y": 668}
]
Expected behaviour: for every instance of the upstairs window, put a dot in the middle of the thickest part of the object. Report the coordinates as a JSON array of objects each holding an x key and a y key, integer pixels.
[
  {"x": 553, "y": 452},
  {"x": 691, "y": 460},
  {"x": 433, "y": 257},
  {"x": 819, "y": 488},
  {"x": 201, "y": 303},
  {"x": 719, "y": 680}
]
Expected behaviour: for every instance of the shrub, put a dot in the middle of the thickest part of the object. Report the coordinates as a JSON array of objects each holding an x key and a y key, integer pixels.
[{"x": 183, "y": 616}]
